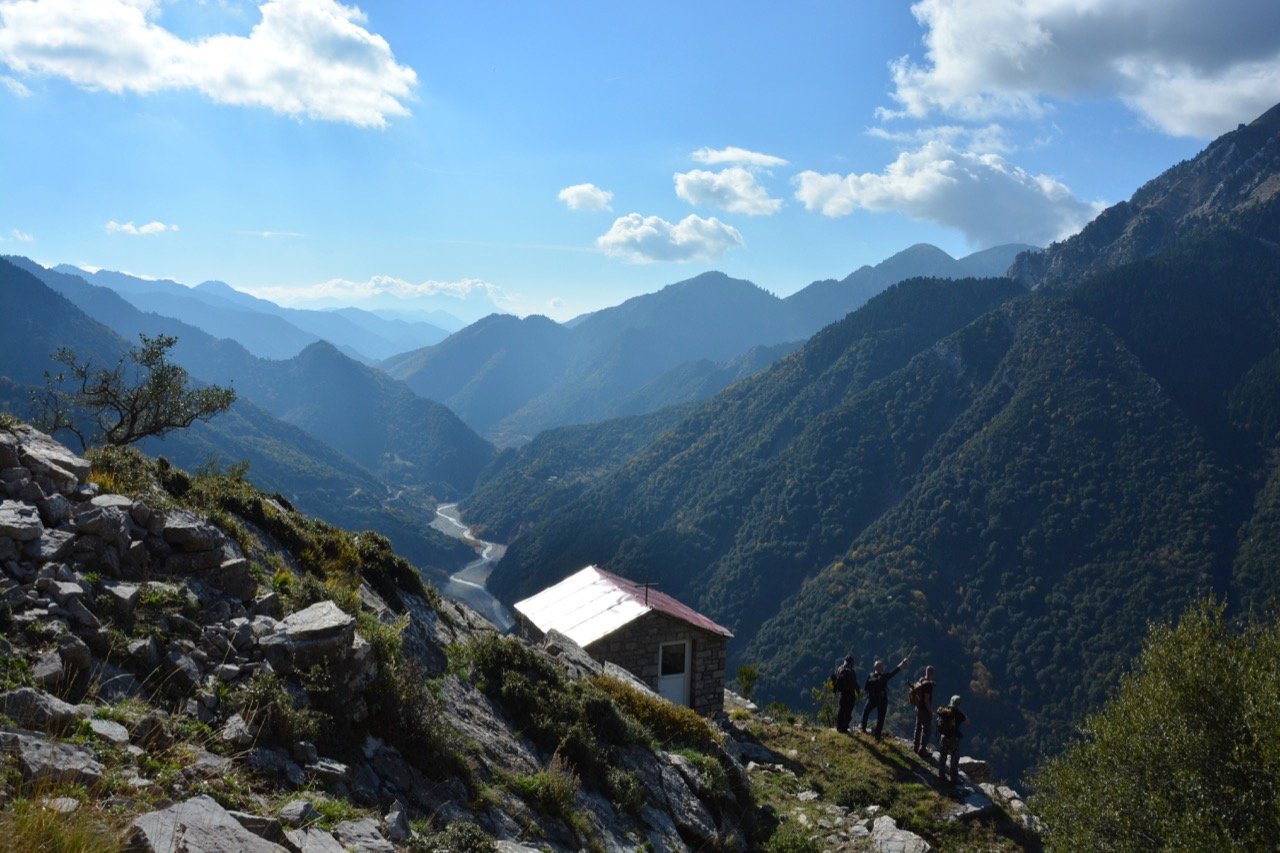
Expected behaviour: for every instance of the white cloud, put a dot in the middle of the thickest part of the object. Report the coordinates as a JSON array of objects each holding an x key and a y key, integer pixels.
[
  {"x": 19, "y": 235},
  {"x": 380, "y": 285},
  {"x": 643, "y": 239},
  {"x": 983, "y": 196},
  {"x": 737, "y": 156},
  {"x": 152, "y": 227},
  {"x": 586, "y": 197},
  {"x": 270, "y": 235},
  {"x": 308, "y": 58},
  {"x": 734, "y": 189},
  {"x": 15, "y": 86},
  {"x": 1190, "y": 67}
]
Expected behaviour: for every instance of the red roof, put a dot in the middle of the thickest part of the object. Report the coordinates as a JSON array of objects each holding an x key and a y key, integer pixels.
[{"x": 660, "y": 601}]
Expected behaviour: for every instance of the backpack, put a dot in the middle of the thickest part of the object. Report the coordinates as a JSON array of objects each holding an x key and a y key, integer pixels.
[
  {"x": 838, "y": 676},
  {"x": 915, "y": 693},
  {"x": 948, "y": 725}
]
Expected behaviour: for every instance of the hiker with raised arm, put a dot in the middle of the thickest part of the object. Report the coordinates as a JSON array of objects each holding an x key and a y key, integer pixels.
[{"x": 877, "y": 688}]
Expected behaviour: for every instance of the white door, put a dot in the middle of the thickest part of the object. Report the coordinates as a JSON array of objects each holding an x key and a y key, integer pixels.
[{"x": 673, "y": 672}]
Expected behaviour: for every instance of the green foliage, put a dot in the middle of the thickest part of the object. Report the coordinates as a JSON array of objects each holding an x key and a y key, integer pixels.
[
  {"x": 670, "y": 724},
  {"x": 122, "y": 470},
  {"x": 143, "y": 395},
  {"x": 264, "y": 700},
  {"x": 27, "y": 824},
  {"x": 746, "y": 678},
  {"x": 552, "y": 790},
  {"x": 15, "y": 671},
  {"x": 1185, "y": 756},
  {"x": 460, "y": 836}
]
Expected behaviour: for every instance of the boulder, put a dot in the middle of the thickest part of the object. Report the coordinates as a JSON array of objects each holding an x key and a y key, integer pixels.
[
  {"x": 35, "y": 709},
  {"x": 198, "y": 825},
  {"x": 20, "y": 521},
  {"x": 44, "y": 762},
  {"x": 52, "y": 545},
  {"x": 110, "y": 731},
  {"x": 978, "y": 771},
  {"x": 263, "y": 827},
  {"x": 48, "y": 461},
  {"x": 362, "y": 836},
  {"x": 397, "y": 821},
  {"x": 312, "y": 839},
  {"x": 188, "y": 532},
  {"x": 236, "y": 732},
  {"x": 321, "y": 621},
  {"x": 298, "y": 813},
  {"x": 886, "y": 837}
]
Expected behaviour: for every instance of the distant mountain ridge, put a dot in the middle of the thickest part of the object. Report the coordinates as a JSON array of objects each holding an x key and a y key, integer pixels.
[
  {"x": 264, "y": 328},
  {"x": 35, "y": 320},
  {"x": 510, "y": 379}
]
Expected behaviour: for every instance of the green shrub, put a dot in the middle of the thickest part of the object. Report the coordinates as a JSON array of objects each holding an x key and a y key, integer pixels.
[
  {"x": 1185, "y": 756},
  {"x": 671, "y": 725},
  {"x": 461, "y": 836},
  {"x": 552, "y": 791}
]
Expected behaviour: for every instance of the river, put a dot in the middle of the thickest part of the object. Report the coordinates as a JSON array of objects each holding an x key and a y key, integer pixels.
[{"x": 467, "y": 584}]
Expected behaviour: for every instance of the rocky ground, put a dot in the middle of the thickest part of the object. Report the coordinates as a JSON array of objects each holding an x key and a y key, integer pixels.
[{"x": 189, "y": 664}]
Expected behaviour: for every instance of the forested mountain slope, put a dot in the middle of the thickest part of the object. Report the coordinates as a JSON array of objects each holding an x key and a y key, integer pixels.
[
  {"x": 34, "y": 321},
  {"x": 408, "y": 441},
  {"x": 688, "y": 510}
]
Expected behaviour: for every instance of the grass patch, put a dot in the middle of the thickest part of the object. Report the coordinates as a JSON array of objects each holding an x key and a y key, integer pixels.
[{"x": 27, "y": 824}]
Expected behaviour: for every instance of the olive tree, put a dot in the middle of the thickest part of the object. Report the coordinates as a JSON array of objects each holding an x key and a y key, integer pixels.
[
  {"x": 1185, "y": 756},
  {"x": 143, "y": 395}
]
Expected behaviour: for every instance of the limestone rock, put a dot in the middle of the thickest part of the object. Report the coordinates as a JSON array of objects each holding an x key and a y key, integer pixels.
[
  {"x": 48, "y": 461},
  {"x": 36, "y": 709},
  {"x": 110, "y": 731},
  {"x": 322, "y": 620},
  {"x": 978, "y": 771},
  {"x": 886, "y": 837},
  {"x": 43, "y": 761},
  {"x": 20, "y": 521},
  {"x": 198, "y": 825},
  {"x": 312, "y": 839},
  {"x": 362, "y": 836},
  {"x": 298, "y": 813},
  {"x": 236, "y": 732},
  {"x": 188, "y": 532}
]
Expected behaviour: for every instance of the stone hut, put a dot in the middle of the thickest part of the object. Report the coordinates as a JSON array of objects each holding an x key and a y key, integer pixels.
[{"x": 671, "y": 647}]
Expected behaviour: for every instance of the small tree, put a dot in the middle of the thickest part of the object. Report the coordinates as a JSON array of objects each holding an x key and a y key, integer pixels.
[
  {"x": 748, "y": 675},
  {"x": 143, "y": 395},
  {"x": 1185, "y": 757}
]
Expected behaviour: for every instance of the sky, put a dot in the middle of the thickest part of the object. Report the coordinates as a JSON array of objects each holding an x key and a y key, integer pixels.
[{"x": 557, "y": 158}]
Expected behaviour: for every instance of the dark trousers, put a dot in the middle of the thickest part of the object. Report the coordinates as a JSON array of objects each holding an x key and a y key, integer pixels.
[
  {"x": 881, "y": 706},
  {"x": 949, "y": 757},
  {"x": 845, "y": 714},
  {"x": 924, "y": 729}
]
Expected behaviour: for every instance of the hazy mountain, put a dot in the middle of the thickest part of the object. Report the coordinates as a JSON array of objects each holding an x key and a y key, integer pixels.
[
  {"x": 826, "y": 301},
  {"x": 264, "y": 328},
  {"x": 1016, "y": 483},
  {"x": 409, "y": 441},
  {"x": 34, "y": 321},
  {"x": 511, "y": 379}
]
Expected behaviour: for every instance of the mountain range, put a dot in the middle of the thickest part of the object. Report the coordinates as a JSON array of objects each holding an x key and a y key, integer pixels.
[
  {"x": 1014, "y": 480},
  {"x": 321, "y": 460},
  {"x": 265, "y": 329},
  {"x": 511, "y": 378}
]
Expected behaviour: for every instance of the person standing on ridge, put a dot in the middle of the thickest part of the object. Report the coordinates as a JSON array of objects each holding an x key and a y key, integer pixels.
[
  {"x": 921, "y": 696},
  {"x": 844, "y": 681},
  {"x": 950, "y": 718},
  {"x": 877, "y": 687}
]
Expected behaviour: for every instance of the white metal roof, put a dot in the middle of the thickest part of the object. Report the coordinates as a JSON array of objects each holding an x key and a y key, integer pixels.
[{"x": 592, "y": 603}]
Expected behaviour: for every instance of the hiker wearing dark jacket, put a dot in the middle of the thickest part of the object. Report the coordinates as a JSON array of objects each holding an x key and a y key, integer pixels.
[
  {"x": 877, "y": 687},
  {"x": 845, "y": 682},
  {"x": 950, "y": 718},
  {"x": 922, "y": 694}
]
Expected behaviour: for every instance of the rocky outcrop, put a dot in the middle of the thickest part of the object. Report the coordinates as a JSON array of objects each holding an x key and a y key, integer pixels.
[{"x": 198, "y": 824}]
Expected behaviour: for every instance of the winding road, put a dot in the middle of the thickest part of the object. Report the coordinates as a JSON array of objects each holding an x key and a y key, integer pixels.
[{"x": 467, "y": 584}]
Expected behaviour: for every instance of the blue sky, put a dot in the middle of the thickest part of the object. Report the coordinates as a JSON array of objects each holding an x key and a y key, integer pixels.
[{"x": 558, "y": 158}]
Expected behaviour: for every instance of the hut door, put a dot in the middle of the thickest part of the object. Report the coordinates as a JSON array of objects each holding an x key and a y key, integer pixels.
[{"x": 673, "y": 672}]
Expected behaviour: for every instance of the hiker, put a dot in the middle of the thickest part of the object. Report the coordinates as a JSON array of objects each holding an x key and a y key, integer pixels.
[
  {"x": 950, "y": 718},
  {"x": 921, "y": 696},
  {"x": 844, "y": 681},
  {"x": 877, "y": 687}
]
